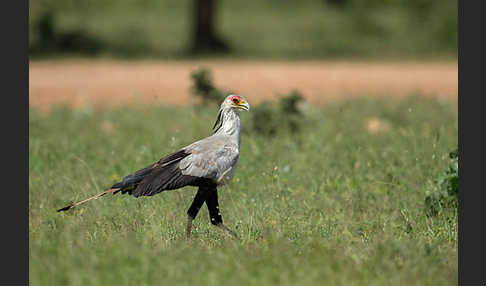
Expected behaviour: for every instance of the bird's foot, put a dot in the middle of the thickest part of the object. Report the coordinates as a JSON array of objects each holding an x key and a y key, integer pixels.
[{"x": 227, "y": 230}]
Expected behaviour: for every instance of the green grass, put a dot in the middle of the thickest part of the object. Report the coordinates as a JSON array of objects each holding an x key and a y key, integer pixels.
[{"x": 332, "y": 205}]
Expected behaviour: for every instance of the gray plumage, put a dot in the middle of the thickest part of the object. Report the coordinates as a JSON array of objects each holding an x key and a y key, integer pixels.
[
  {"x": 206, "y": 163},
  {"x": 213, "y": 158}
]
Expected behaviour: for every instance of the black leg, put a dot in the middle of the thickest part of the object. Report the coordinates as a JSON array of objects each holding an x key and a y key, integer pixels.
[
  {"x": 194, "y": 209},
  {"x": 213, "y": 207},
  {"x": 214, "y": 212}
]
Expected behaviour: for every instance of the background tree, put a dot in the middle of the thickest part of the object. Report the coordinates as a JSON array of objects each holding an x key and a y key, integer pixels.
[{"x": 204, "y": 36}]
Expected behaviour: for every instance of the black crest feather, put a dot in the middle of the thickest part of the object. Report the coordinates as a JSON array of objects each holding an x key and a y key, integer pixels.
[{"x": 219, "y": 121}]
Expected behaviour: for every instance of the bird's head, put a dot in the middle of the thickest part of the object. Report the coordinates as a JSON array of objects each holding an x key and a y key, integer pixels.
[
  {"x": 231, "y": 102},
  {"x": 235, "y": 101}
]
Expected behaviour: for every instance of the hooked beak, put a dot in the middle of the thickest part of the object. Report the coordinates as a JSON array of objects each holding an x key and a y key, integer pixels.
[{"x": 244, "y": 106}]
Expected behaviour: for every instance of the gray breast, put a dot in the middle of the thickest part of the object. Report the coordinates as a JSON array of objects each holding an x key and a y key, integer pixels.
[{"x": 214, "y": 158}]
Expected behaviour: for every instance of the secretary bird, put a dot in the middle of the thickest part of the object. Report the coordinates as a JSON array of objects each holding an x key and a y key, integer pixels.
[{"x": 206, "y": 164}]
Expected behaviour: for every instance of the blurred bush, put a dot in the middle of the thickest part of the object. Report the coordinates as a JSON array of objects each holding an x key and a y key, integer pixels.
[
  {"x": 203, "y": 87},
  {"x": 268, "y": 118},
  {"x": 50, "y": 41},
  {"x": 286, "y": 116},
  {"x": 443, "y": 192}
]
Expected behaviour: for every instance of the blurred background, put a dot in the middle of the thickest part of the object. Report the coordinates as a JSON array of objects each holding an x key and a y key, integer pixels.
[
  {"x": 279, "y": 29},
  {"x": 256, "y": 47},
  {"x": 348, "y": 170}
]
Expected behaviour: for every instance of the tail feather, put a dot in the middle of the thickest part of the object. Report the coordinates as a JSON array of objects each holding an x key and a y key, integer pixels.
[{"x": 72, "y": 205}]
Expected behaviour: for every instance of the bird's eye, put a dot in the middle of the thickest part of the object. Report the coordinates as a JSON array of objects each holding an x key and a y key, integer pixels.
[{"x": 235, "y": 100}]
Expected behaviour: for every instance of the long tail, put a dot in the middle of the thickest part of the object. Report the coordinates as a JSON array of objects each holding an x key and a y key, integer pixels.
[{"x": 72, "y": 205}]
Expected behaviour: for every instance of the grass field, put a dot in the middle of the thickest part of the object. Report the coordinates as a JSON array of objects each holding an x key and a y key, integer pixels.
[{"x": 340, "y": 203}]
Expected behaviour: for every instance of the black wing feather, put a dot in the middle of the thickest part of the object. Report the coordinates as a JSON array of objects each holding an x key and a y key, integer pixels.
[
  {"x": 168, "y": 178},
  {"x": 162, "y": 175}
]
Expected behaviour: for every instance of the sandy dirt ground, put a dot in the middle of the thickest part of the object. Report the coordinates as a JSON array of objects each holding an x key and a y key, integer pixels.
[{"x": 104, "y": 82}]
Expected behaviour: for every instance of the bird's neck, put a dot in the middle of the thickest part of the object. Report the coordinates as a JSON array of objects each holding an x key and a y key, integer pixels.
[{"x": 230, "y": 125}]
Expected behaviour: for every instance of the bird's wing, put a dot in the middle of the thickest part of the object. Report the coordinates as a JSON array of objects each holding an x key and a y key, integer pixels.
[
  {"x": 159, "y": 176},
  {"x": 210, "y": 158},
  {"x": 137, "y": 176}
]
